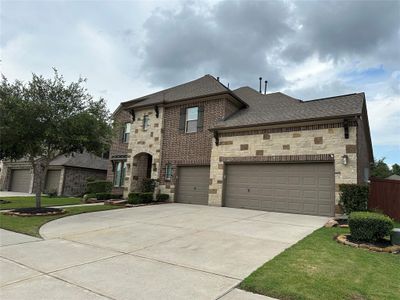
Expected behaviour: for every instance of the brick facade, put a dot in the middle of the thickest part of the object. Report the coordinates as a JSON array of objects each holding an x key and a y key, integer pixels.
[
  {"x": 180, "y": 148},
  {"x": 118, "y": 148}
]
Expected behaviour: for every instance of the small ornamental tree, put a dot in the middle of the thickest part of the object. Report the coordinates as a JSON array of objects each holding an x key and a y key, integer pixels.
[{"x": 44, "y": 118}]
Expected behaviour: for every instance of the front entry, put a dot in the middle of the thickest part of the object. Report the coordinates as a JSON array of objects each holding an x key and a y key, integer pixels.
[
  {"x": 141, "y": 169},
  {"x": 193, "y": 185}
]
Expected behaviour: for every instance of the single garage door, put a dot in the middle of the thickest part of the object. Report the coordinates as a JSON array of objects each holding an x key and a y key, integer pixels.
[
  {"x": 20, "y": 180},
  {"x": 52, "y": 180},
  {"x": 293, "y": 188},
  {"x": 193, "y": 185}
]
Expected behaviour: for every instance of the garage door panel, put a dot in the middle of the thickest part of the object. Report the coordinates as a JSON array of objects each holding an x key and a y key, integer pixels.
[
  {"x": 300, "y": 188},
  {"x": 193, "y": 185},
  {"x": 21, "y": 180}
]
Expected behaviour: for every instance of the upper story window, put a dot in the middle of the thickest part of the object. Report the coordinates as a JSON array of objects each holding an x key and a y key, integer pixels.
[
  {"x": 192, "y": 117},
  {"x": 127, "y": 131},
  {"x": 145, "y": 122}
]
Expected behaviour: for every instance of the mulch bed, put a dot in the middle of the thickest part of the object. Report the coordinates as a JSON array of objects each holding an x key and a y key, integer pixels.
[
  {"x": 33, "y": 211},
  {"x": 379, "y": 246}
]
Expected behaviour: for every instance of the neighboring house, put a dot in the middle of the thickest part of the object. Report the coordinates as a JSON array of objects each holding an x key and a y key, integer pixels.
[
  {"x": 211, "y": 145},
  {"x": 66, "y": 175},
  {"x": 393, "y": 177}
]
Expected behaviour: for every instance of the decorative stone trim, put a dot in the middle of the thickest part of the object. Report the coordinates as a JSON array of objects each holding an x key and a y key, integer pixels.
[
  {"x": 244, "y": 147},
  {"x": 259, "y": 152},
  {"x": 23, "y": 214},
  {"x": 212, "y": 191},
  {"x": 351, "y": 149},
  {"x": 318, "y": 140},
  {"x": 286, "y": 147},
  {"x": 278, "y": 158},
  {"x": 296, "y": 135},
  {"x": 286, "y": 129},
  {"x": 344, "y": 239},
  {"x": 226, "y": 142}
]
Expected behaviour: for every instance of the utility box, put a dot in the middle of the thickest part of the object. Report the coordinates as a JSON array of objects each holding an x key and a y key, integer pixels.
[{"x": 395, "y": 236}]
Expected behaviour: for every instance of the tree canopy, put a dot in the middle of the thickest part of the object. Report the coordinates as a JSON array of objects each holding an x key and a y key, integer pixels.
[{"x": 45, "y": 117}]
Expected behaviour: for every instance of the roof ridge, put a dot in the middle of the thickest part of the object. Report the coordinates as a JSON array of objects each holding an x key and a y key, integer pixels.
[
  {"x": 173, "y": 87},
  {"x": 331, "y": 97}
]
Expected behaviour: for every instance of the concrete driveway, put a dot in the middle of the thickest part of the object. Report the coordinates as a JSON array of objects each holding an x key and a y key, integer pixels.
[{"x": 168, "y": 251}]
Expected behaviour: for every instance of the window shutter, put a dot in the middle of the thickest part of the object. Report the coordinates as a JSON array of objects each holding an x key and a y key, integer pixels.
[
  {"x": 200, "y": 120},
  {"x": 182, "y": 119}
]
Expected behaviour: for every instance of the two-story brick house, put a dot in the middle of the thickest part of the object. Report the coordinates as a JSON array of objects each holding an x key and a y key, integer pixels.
[{"x": 210, "y": 145}]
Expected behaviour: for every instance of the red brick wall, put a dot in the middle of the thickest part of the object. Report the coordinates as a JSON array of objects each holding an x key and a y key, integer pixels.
[
  {"x": 117, "y": 146},
  {"x": 180, "y": 148}
]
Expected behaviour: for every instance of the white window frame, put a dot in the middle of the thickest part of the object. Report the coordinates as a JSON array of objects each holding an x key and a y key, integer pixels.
[
  {"x": 168, "y": 172},
  {"x": 126, "y": 133},
  {"x": 119, "y": 173},
  {"x": 145, "y": 124},
  {"x": 191, "y": 120}
]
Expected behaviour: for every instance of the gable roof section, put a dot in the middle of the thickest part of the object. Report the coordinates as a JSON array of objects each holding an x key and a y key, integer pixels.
[
  {"x": 204, "y": 86},
  {"x": 280, "y": 108},
  {"x": 80, "y": 160}
]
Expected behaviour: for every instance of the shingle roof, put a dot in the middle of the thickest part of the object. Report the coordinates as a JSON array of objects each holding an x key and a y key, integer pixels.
[
  {"x": 204, "y": 86},
  {"x": 280, "y": 108},
  {"x": 80, "y": 160}
]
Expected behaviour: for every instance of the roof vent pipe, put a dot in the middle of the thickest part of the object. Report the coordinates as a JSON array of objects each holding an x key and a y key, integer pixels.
[
  {"x": 265, "y": 86},
  {"x": 260, "y": 83},
  {"x": 218, "y": 78}
]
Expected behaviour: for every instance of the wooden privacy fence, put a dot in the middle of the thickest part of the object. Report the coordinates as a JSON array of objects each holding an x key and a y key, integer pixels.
[{"x": 384, "y": 195}]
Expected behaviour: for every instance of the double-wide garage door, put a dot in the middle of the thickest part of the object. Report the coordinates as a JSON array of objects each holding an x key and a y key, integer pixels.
[
  {"x": 193, "y": 185},
  {"x": 294, "y": 188}
]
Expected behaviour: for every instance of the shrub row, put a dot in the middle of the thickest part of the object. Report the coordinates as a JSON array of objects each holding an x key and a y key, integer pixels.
[
  {"x": 353, "y": 197},
  {"x": 138, "y": 198},
  {"x": 98, "y": 186},
  {"x": 102, "y": 196},
  {"x": 369, "y": 226}
]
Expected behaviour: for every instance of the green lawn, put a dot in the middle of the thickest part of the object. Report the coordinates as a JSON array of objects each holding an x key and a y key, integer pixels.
[
  {"x": 318, "y": 267},
  {"x": 19, "y": 202},
  {"x": 31, "y": 225}
]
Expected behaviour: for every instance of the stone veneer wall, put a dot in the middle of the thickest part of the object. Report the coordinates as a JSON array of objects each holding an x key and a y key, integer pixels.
[
  {"x": 74, "y": 179},
  {"x": 306, "y": 140},
  {"x": 144, "y": 141}
]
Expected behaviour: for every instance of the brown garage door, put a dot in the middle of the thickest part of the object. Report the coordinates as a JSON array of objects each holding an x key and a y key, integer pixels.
[
  {"x": 293, "y": 188},
  {"x": 52, "y": 180},
  {"x": 193, "y": 185},
  {"x": 20, "y": 180}
]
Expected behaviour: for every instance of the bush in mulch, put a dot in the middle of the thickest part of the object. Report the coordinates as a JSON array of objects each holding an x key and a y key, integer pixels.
[
  {"x": 4, "y": 201},
  {"x": 33, "y": 211},
  {"x": 381, "y": 245},
  {"x": 369, "y": 226}
]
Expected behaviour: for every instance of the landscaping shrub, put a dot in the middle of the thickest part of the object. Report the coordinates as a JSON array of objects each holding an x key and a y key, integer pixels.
[
  {"x": 146, "y": 197},
  {"x": 353, "y": 197},
  {"x": 104, "y": 196},
  {"x": 133, "y": 198},
  {"x": 148, "y": 185},
  {"x": 87, "y": 196},
  {"x": 52, "y": 193},
  {"x": 369, "y": 226},
  {"x": 162, "y": 197},
  {"x": 99, "y": 186}
]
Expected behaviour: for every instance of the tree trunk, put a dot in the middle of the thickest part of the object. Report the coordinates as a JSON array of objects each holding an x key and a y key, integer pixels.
[{"x": 39, "y": 173}]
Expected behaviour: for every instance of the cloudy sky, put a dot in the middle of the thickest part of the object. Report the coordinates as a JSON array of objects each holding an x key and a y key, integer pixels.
[{"x": 127, "y": 49}]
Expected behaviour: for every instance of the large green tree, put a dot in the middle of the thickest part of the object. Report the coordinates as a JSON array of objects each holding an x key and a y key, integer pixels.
[
  {"x": 396, "y": 169},
  {"x": 45, "y": 117},
  {"x": 380, "y": 169}
]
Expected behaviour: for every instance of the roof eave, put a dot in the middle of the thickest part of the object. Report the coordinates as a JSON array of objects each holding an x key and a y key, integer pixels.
[{"x": 285, "y": 122}]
